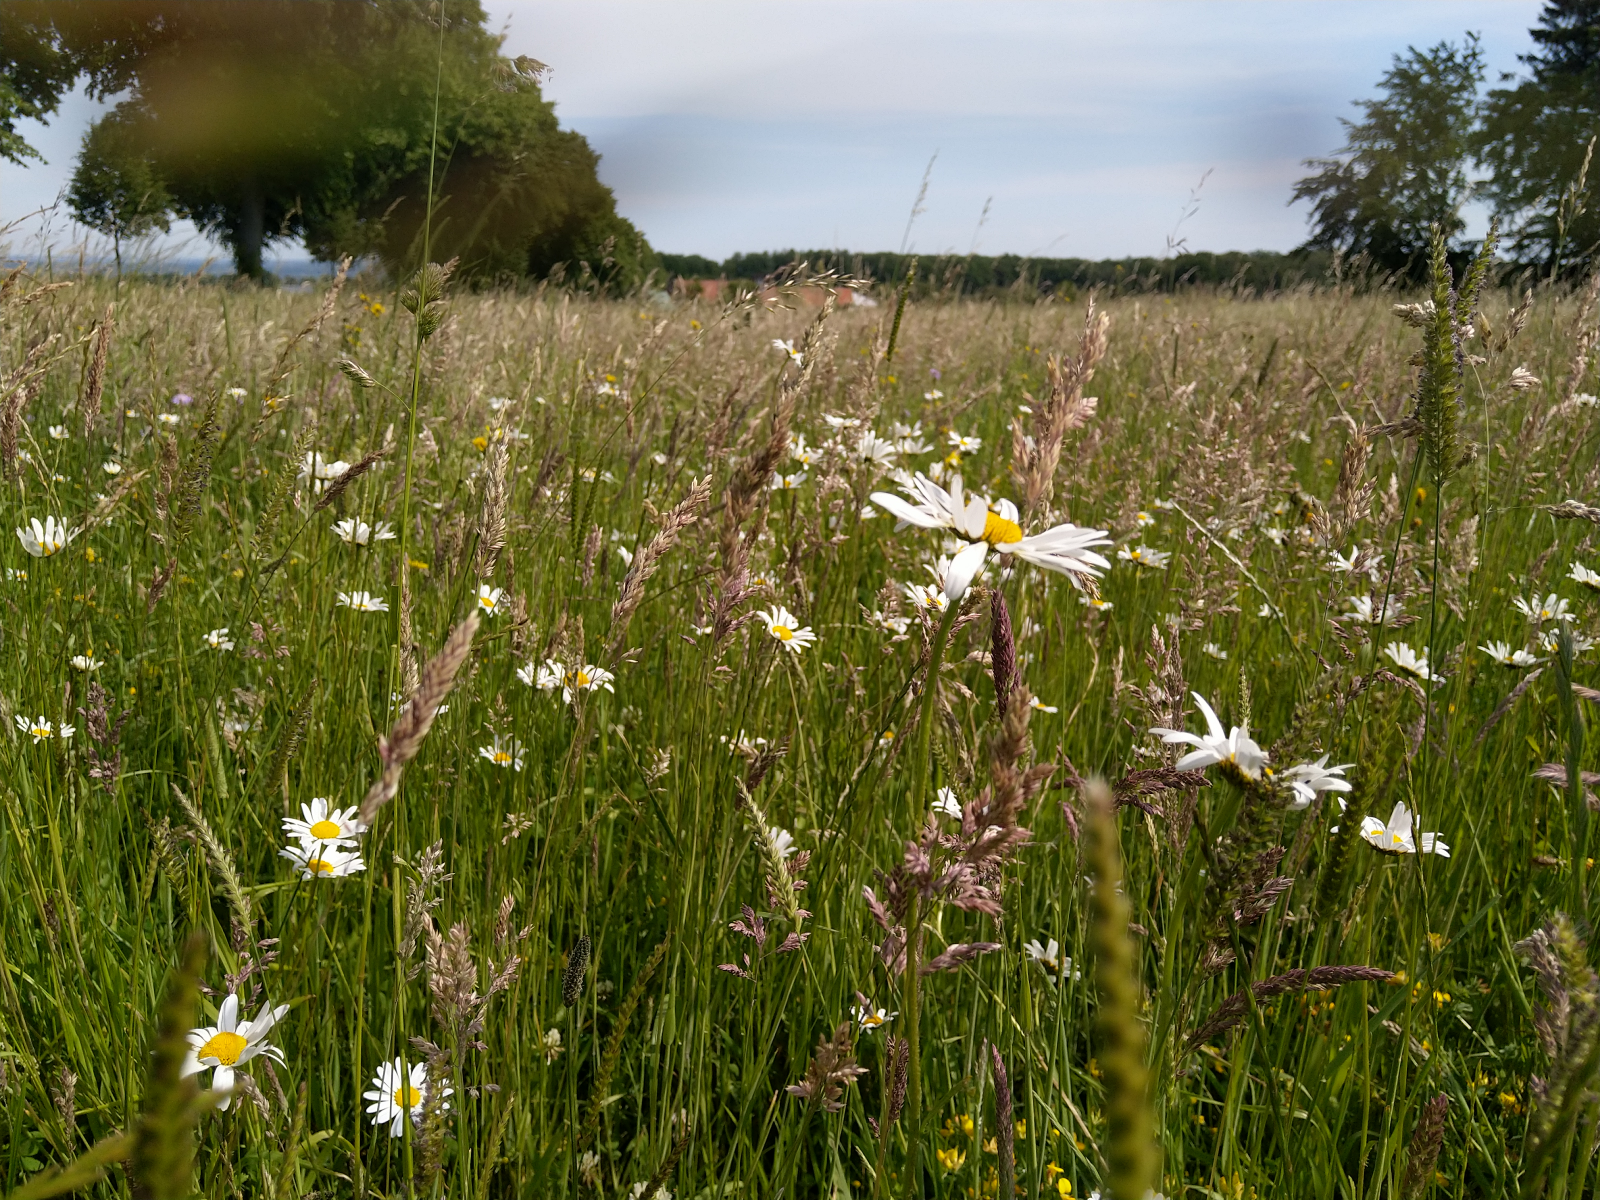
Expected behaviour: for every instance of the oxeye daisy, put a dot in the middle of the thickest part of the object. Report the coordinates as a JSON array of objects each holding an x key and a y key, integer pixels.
[
  {"x": 1410, "y": 662},
  {"x": 322, "y": 823},
  {"x": 1040, "y": 706},
  {"x": 44, "y": 539},
  {"x": 358, "y": 533},
  {"x": 322, "y": 860},
  {"x": 947, "y": 804},
  {"x": 924, "y": 596},
  {"x": 1144, "y": 556},
  {"x": 317, "y": 469},
  {"x": 787, "y": 483},
  {"x": 230, "y": 1043},
  {"x": 1305, "y": 780},
  {"x": 85, "y": 662},
  {"x": 503, "y": 753},
  {"x": 801, "y": 453},
  {"x": 111, "y": 467},
  {"x": 1048, "y": 956},
  {"x": 871, "y": 448},
  {"x": 787, "y": 346},
  {"x": 869, "y": 1018},
  {"x": 218, "y": 639},
  {"x": 397, "y": 1094},
  {"x": 786, "y": 629},
  {"x": 41, "y": 729},
  {"x": 1502, "y": 653},
  {"x": 1234, "y": 750},
  {"x": 363, "y": 602},
  {"x": 489, "y": 599},
  {"x": 1581, "y": 574},
  {"x": 963, "y": 443},
  {"x": 58, "y": 432},
  {"x": 1396, "y": 835},
  {"x": 984, "y": 526},
  {"x": 1551, "y": 608}
]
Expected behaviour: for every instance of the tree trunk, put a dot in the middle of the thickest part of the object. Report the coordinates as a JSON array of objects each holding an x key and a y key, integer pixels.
[{"x": 247, "y": 241}]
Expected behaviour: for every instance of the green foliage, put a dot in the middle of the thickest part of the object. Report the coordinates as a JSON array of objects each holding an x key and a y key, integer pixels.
[
  {"x": 1536, "y": 137},
  {"x": 1403, "y": 167},
  {"x": 115, "y": 190}
]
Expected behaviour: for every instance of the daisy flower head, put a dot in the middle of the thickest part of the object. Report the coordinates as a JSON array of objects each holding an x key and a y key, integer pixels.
[
  {"x": 787, "y": 346},
  {"x": 584, "y": 679},
  {"x": 230, "y": 1043},
  {"x": 896, "y": 625},
  {"x": 1396, "y": 836},
  {"x": 503, "y": 753},
  {"x": 1047, "y": 955},
  {"x": 546, "y": 677},
  {"x": 1143, "y": 520},
  {"x": 1364, "y": 610},
  {"x": 218, "y": 639},
  {"x": 1581, "y": 574},
  {"x": 1235, "y": 750},
  {"x": 173, "y": 419},
  {"x": 1215, "y": 651},
  {"x": 1305, "y": 780},
  {"x": 1065, "y": 548},
  {"x": 925, "y": 596},
  {"x": 1096, "y": 603},
  {"x": 870, "y": 448},
  {"x": 398, "y": 1093},
  {"x": 783, "y": 626},
  {"x": 58, "y": 432},
  {"x": 111, "y": 467},
  {"x": 1550, "y": 642},
  {"x": 363, "y": 602},
  {"x": 1502, "y": 653},
  {"x": 42, "y": 730},
  {"x": 322, "y": 860},
  {"x": 781, "y": 841},
  {"x": 321, "y": 823},
  {"x": 489, "y": 599},
  {"x": 837, "y": 422},
  {"x": 869, "y": 1018},
  {"x": 1143, "y": 556},
  {"x": 801, "y": 453},
  {"x": 320, "y": 471},
  {"x": 963, "y": 443},
  {"x": 1551, "y": 608},
  {"x": 787, "y": 483},
  {"x": 358, "y": 533},
  {"x": 85, "y": 662},
  {"x": 947, "y": 804},
  {"x": 44, "y": 539},
  {"x": 1040, "y": 706},
  {"x": 1410, "y": 662}
]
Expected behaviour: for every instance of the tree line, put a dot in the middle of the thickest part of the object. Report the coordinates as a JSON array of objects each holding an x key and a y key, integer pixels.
[{"x": 324, "y": 121}]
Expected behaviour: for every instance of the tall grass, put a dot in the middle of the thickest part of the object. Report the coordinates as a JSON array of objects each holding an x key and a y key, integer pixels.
[{"x": 546, "y": 935}]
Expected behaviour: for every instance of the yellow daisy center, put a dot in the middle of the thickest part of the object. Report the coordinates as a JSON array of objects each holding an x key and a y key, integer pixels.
[
  {"x": 324, "y": 830},
  {"x": 782, "y": 632},
  {"x": 581, "y": 679},
  {"x": 319, "y": 866},
  {"x": 500, "y": 756},
  {"x": 225, "y": 1047},
  {"x": 406, "y": 1096},
  {"x": 872, "y": 1019},
  {"x": 42, "y": 731}
]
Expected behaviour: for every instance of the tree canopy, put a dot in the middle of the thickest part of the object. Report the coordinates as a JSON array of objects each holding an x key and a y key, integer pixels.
[{"x": 267, "y": 120}]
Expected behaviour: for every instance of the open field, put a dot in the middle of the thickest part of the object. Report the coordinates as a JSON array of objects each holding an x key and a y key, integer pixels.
[{"x": 579, "y": 908}]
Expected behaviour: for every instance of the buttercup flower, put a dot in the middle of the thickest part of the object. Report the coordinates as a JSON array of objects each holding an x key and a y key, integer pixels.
[
  {"x": 1064, "y": 548},
  {"x": 358, "y": 533},
  {"x": 790, "y": 634},
  {"x": 1397, "y": 837},
  {"x": 322, "y": 860},
  {"x": 230, "y": 1042},
  {"x": 506, "y": 753},
  {"x": 43, "y": 540},
  {"x": 324, "y": 824},
  {"x": 41, "y": 729},
  {"x": 397, "y": 1093},
  {"x": 363, "y": 602},
  {"x": 1236, "y": 748}
]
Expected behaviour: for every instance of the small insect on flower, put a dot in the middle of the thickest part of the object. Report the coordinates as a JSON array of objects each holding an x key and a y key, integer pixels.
[
  {"x": 43, "y": 540},
  {"x": 85, "y": 662},
  {"x": 503, "y": 753},
  {"x": 230, "y": 1043},
  {"x": 1396, "y": 836},
  {"x": 1551, "y": 608},
  {"x": 1581, "y": 574},
  {"x": 947, "y": 804},
  {"x": 962, "y": 442},
  {"x": 324, "y": 824},
  {"x": 111, "y": 467},
  {"x": 1412, "y": 663},
  {"x": 1144, "y": 556},
  {"x": 397, "y": 1093},
  {"x": 363, "y": 602},
  {"x": 783, "y": 625},
  {"x": 1236, "y": 749},
  {"x": 787, "y": 346},
  {"x": 869, "y": 1018},
  {"x": 358, "y": 533},
  {"x": 489, "y": 599},
  {"x": 1502, "y": 653},
  {"x": 1305, "y": 780},
  {"x": 218, "y": 639},
  {"x": 41, "y": 729},
  {"x": 322, "y": 860}
]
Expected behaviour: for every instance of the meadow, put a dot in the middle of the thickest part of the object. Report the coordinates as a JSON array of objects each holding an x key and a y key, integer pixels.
[{"x": 498, "y": 723}]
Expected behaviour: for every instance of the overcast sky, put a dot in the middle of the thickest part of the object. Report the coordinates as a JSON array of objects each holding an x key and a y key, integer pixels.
[{"x": 728, "y": 126}]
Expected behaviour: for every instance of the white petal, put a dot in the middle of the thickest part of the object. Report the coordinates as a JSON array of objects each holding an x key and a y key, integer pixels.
[
  {"x": 963, "y": 567},
  {"x": 1214, "y": 725},
  {"x": 228, "y": 1014}
]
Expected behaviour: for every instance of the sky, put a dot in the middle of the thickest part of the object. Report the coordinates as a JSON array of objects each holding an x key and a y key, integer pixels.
[{"x": 1085, "y": 128}]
